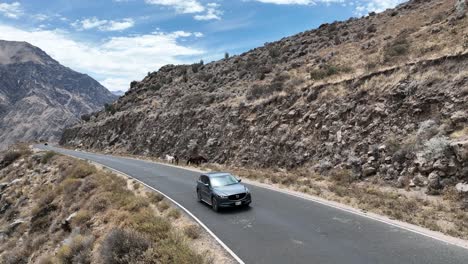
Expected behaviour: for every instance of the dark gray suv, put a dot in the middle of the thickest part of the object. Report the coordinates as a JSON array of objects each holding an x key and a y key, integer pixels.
[{"x": 221, "y": 189}]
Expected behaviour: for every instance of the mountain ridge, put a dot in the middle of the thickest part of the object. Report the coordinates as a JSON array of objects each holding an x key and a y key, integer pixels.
[
  {"x": 380, "y": 96},
  {"x": 39, "y": 96}
]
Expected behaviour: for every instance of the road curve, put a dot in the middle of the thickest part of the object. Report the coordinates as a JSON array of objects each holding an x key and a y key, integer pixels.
[{"x": 280, "y": 228}]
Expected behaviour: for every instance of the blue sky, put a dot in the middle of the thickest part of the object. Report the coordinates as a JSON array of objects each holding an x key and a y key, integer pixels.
[{"x": 117, "y": 41}]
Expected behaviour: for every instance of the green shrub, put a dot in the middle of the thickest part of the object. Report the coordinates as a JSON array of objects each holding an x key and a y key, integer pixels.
[
  {"x": 110, "y": 108},
  {"x": 82, "y": 218},
  {"x": 124, "y": 246},
  {"x": 9, "y": 158},
  {"x": 328, "y": 70},
  {"x": 79, "y": 251},
  {"x": 48, "y": 156},
  {"x": 80, "y": 169},
  {"x": 397, "y": 48}
]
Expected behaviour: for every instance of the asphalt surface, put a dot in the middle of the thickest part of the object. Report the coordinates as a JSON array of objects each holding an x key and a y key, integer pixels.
[{"x": 280, "y": 228}]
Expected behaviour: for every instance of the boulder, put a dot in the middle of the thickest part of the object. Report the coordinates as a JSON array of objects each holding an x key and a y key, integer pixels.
[
  {"x": 434, "y": 180},
  {"x": 368, "y": 170},
  {"x": 461, "y": 150},
  {"x": 459, "y": 116},
  {"x": 461, "y": 7},
  {"x": 462, "y": 188},
  {"x": 420, "y": 180},
  {"x": 440, "y": 164}
]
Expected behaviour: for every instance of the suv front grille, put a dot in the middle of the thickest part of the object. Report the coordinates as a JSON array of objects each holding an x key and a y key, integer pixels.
[{"x": 236, "y": 196}]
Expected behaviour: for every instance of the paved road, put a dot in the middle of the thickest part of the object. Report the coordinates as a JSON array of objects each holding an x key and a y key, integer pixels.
[{"x": 280, "y": 228}]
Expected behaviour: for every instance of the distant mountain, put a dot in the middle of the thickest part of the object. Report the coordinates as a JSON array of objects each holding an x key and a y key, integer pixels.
[
  {"x": 118, "y": 93},
  {"x": 39, "y": 97}
]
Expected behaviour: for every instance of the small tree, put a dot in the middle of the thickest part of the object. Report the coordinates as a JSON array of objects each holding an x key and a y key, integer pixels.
[
  {"x": 202, "y": 62},
  {"x": 226, "y": 55},
  {"x": 110, "y": 108}
]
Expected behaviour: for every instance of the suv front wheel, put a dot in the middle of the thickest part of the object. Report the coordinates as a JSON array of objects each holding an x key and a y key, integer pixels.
[{"x": 214, "y": 204}]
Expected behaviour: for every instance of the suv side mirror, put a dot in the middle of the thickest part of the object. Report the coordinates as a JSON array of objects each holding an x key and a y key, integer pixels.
[{"x": 239, "y": 180}]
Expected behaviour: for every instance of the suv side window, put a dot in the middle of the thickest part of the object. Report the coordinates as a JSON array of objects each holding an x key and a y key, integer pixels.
[{"x": 204, "y": 179}]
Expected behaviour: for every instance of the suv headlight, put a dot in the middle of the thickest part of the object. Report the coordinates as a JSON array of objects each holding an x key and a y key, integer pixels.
[
  {"x": 221, "y": 196},
  {"x": 247, "y": 190}
]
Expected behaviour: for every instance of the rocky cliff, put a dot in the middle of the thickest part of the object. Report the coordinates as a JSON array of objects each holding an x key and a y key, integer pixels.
[
  {"x": 39, "y": 97},
  {"x": 383, "y": 95}
]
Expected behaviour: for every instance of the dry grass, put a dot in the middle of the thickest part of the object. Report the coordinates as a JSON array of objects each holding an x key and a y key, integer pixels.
[
  {"x": 439, "y": 213},
  {"x": 106, "y": 210}
]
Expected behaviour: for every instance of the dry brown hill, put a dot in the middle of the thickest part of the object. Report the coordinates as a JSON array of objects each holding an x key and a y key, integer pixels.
[{"x": 383, "y": 95}]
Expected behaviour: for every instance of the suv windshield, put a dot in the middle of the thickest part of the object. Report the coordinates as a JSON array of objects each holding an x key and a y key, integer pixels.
[{"x": 223, "y": 180}]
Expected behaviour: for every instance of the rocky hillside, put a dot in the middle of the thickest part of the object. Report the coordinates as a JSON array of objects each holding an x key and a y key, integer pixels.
[
  {"x": 384, "y": 95},
  {"x": 39, "y": 97}
]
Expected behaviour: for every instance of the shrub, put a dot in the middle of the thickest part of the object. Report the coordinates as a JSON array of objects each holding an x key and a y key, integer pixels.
[
  {"x": 70, "y": 186},
  {"x": 79, "y": 251},
  {"x": 110, "y": 108},
  {"x": 155, "y": 197},
  {"x": 99, "y": 204},
  {"x": 155, "y": 87},
  {"x": 174, "y": 213},
  {"x": 162, "y": 206},
  {"x": 47, "y": 259},
  {"x": 327, "y": 70},
  {"x": 9, "y": 158},
  {"x": 80, "y": 169},
  {"x": 274, "y": 52},
  {"x": 258, "y": 91},
  {"x": 82, "y": 218},
  {"x": 20, "y": 256},
  {"x": 146, "y": 222},
  {"x": 192, "y": 231},
  {"x": 399, "y": 47},
  {"x": 86, "y": 118},
  {"x": 226, "y": 55},
  {"x": 123, "y": 246},
  {"x": 343, "y": 177},
  {"x": 427, "y": 130},
  {"x": 47, "y": 156},
  {"x": 436, "y": 148}
]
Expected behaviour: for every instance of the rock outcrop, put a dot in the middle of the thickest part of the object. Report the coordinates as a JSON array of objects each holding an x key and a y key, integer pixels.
[
  {"x": 375, "y": 96},
  {"x": 39, "y": 97}
]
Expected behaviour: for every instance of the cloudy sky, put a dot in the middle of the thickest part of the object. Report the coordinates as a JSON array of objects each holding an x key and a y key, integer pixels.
[{"x": 117, "y": 41}]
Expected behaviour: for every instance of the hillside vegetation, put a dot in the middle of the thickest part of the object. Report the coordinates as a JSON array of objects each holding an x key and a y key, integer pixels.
[
  {"x": 56, "y": 209},
  {"x": 379, "y": 98}
]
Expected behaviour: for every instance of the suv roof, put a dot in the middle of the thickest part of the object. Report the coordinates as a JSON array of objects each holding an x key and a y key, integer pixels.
[{"x": 214, "y": 174}]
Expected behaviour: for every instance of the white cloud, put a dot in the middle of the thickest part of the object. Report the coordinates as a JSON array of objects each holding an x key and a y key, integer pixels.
[
  {"x": 103, "y": 25},
  {"x": 212, "y": 13},
  {"x": 364, "y": 7},
  {"x": 116, "y": 61},
  {"x": 287, "y": 2},
  {"x": 181, "y": 6},
  {"x": 12, "y": 10}
]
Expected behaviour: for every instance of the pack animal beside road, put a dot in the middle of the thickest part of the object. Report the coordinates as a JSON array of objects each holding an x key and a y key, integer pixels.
[{"x": 196, "y": 160}]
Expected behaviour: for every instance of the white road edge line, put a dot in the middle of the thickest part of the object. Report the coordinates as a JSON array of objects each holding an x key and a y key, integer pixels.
[
  {"x": 403, "y": 225},
  {"x": 288, "y": 192},
  {"x": 356, "y": 212},
  {"x": 237, "y": 258}
]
